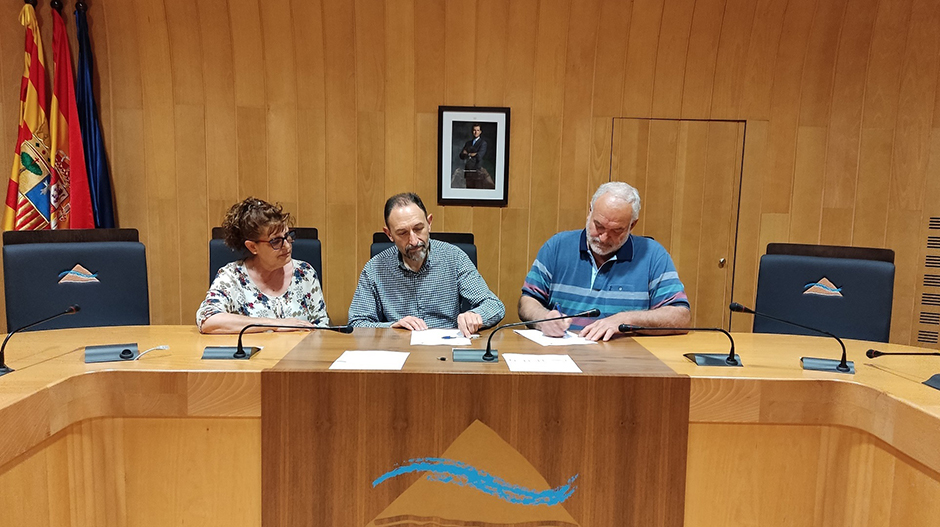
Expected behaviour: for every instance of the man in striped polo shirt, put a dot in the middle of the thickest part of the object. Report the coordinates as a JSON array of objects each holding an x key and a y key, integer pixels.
[
  {"x": 419, "y": 283},
  {"x": 630, "y": 279}
]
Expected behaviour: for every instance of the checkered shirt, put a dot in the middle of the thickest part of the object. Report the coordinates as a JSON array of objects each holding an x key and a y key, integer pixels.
[{"x": 388, "y": 291}]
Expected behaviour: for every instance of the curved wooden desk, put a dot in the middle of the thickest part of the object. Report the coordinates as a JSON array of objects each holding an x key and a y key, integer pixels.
[{"x": 171, "y": 439}]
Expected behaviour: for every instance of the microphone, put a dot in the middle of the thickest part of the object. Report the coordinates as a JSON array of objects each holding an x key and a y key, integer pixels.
[
  {"x": 240, "y": 352},
  {"x": 933, "y": 381},
  {"x": 4, "y": 369},
  {"x": 808, "y": 363},
  {"x": 701, "y": 359},
  {"x": 491, "y": 355},
  {"x": 873, "y": 353}
]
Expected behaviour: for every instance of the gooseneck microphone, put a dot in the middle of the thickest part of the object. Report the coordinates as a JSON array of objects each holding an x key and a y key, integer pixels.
[
  {"x": 873, "y": 353},
  {"x": 4, "y": 369},
  {"x": 809, "y": 363},
  {"x": 491, "y": 355},
  {"x": 701, "y": 359},
  {"x": 933, "y": 381},
  {"x": 240, "y": 352}
]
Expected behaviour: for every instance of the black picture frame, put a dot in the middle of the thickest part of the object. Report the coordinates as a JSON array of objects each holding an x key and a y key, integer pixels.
[{"x": 473, "y": 170}]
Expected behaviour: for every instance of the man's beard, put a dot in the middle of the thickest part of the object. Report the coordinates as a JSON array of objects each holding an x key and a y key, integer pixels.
[
  {"x": 595, "y": 245},
  {"x": 417, "y": 252},
  {"x": 601, "y": 250}
]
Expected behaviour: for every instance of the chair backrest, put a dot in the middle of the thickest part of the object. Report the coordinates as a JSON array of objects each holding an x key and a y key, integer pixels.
[
  {"x": 306, "y": 247},
  {"x": 848, "y": 291},
  {"x": 463, "y": 240},
  {"x": 102, "y": 270}
]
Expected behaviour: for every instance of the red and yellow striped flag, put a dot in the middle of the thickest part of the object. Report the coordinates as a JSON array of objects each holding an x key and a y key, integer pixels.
[
  {"x": 70, "y": 197},
  {"x": 27, "y": 204}
]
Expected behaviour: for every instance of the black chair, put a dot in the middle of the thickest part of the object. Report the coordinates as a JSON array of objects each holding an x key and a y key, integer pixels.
[
  {"x": 102, "y": 270},
  {"x": 846, "y": 291},
  {"x": 463, "y": 240},
  {"x": 306, "y": 247}
]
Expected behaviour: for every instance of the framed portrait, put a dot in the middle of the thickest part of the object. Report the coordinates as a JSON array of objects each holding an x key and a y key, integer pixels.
[{"x": 473, "y": 155}]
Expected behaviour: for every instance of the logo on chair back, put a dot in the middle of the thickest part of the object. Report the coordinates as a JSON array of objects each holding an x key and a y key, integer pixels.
[
  {"x": 77, "y": 274},
  {"x": 822, "y": 288}
]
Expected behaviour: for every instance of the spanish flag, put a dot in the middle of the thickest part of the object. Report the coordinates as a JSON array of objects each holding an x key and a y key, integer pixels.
[
  {"x": 27, "y": 204},
  {"x": 69, "y": 194}
]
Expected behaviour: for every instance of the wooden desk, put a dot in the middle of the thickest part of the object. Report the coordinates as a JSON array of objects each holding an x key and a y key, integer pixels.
[
  {"x": 173, "y": 440},
  {"x": 620, "y": 428}
]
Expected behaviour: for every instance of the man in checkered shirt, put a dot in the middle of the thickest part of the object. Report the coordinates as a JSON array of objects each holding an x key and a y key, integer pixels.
[{"x": 419, "y": 283}]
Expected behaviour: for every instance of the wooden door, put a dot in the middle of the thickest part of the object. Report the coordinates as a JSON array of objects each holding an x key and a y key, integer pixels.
[{"x": 688, "y": 174}]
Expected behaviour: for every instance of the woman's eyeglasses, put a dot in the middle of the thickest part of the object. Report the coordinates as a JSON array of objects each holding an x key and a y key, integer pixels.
[{"x": 278, "y": 241}]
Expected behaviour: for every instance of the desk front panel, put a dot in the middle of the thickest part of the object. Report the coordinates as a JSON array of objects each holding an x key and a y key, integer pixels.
[{"x": 617, "y": 434}]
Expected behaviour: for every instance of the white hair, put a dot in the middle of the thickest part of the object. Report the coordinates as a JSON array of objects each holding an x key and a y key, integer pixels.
[{"x": 620, "y": 190}]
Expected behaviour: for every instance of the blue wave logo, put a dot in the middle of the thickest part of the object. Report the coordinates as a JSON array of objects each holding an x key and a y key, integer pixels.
[
  {"x": 465, "y": 475},
  {"x": 88, "y": 276},
  {"x": 824, "y": 286}
]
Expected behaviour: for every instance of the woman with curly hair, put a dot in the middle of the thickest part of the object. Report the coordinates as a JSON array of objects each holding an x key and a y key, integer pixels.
[{"x": 267, "y": 287}]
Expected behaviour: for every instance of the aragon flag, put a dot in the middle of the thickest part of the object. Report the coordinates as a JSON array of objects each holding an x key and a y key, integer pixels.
[
  {"x": 70, "y": 198},
  {"x": 27, "y": 203}
]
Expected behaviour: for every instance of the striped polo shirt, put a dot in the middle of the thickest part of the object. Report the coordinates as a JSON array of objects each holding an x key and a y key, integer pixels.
[{"x": 640, "y": 276}]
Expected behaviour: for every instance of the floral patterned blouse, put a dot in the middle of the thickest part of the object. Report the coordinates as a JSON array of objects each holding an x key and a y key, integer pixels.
[{"x": 232, "y": 291}]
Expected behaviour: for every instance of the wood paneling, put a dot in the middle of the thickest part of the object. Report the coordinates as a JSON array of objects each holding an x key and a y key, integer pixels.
[{"x": 331, "y": 106}]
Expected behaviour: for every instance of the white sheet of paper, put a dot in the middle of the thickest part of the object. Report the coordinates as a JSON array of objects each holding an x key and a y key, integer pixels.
[
  {"x": 570, "y": 339},
  {"x": 439, "y": 337},
  {"x": 523, "y": 362},
  {"x": 370, "y": 360}
]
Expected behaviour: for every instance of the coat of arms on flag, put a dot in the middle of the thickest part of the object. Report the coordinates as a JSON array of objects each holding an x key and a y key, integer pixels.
[{"x": 27, "y": 203}]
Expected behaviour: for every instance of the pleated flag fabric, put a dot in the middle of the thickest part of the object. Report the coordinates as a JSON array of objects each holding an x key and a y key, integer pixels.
[
  {"x": 70, "y": 195},
  {"x": 27, "y": 203},
  {"x": 99, "y": 178}
]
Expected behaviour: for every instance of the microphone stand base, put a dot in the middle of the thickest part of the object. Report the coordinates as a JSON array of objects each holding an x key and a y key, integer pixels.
[
  {"x": 473, "y": 355},
  {"x": 713, "y": 359},
  {"x": 933, "y": 382},
  {"x": 111, "y": 353},
  {"x": 5, "y": 370},
  {"x": 228, "y": 352},
  {"x": 830, "y": 365}
]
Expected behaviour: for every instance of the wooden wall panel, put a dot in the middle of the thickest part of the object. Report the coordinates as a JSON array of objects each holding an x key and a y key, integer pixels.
[{"x": 329, "y": 107}]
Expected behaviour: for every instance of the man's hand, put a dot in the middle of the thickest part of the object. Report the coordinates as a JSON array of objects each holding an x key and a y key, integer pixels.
[
  {"x": 554, "y": 328},
  {"x": 412, "y": 323},
  {"x": 602, "y": 329},
  {"x": 468, "y": 323}
]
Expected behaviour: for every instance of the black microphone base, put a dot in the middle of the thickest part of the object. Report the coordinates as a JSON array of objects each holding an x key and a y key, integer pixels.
[
  {"x": 474, "y": 355},
  {"x": 228, "y": 352},
  {"x": 714, "y": 359},
  {"x": 5, "y": 370},
  {"x": 830, "y": 365},
  {"x": 933, "y": 382},
  {"x": 111, "y": 353}
]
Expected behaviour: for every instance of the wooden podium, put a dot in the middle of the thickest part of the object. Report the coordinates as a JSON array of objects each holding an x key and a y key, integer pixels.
[{"x": 502, "y": 446}]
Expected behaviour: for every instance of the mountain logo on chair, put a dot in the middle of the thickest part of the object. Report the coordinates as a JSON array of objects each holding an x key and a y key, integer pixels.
[
  {"x": 824, "y": 287},
  {"x": 77, "y": 275}
]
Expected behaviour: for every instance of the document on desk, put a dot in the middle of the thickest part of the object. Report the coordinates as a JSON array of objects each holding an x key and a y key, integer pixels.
[
  {"x": 525, "y": 362},
  {"x": 370, "y": 360},
  {"x": 439, "y": 337},
  {"x": 570, "y": 339}
]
